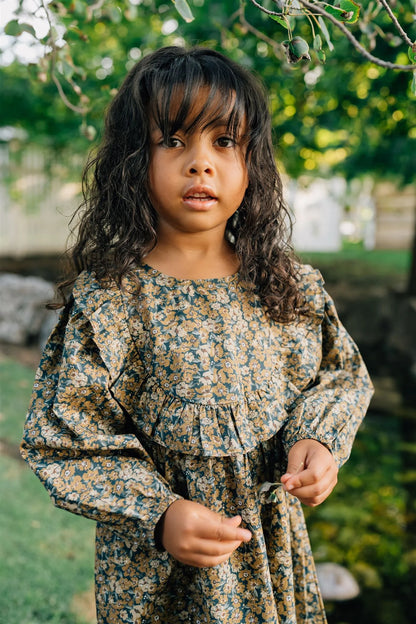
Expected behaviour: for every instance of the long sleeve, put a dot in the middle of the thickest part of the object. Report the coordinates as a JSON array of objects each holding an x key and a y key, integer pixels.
[
  {"x": 80, "y": 441},
  {"x": 332, "y": 406}
]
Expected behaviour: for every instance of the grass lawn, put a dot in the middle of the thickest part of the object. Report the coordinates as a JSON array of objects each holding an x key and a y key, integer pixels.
[
  {"x": 46, "y": 569},
  {"x": 387, "y": 267}
]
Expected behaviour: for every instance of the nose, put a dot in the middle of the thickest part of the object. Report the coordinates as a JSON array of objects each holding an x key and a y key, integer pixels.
[{"x": 199, "y": 160}]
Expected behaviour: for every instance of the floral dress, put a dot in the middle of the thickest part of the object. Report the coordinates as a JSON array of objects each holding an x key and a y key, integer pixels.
[{"x": 166, "y": 389}]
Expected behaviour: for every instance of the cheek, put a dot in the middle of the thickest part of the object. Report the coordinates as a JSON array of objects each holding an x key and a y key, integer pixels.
[
  {"x": 243, "y": 171},
  {"x": 244, "y": 180}
]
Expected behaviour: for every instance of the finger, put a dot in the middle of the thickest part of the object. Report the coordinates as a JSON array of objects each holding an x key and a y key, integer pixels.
[
  {"x": 296, "y": 459},
  {"x": 317, "y": 488},
  {"x": 310, "y": 476},
  {"x": 234, "y": 521},
  {"x": 318, "y": 499},
  {"x": 213, "y": 548},
  {"x": 294, "y": 467},
  {"x": 223, "y": 530}
]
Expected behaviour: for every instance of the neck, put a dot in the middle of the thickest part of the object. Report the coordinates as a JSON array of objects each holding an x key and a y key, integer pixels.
[{"x": 193, "y": 257}]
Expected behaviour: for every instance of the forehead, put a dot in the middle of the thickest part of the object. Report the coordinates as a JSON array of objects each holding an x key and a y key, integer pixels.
[{"x": 197, "y": 106}]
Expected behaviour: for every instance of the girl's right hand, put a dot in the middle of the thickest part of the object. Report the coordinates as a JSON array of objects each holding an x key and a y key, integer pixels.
[{"x": 199, "y": 537}]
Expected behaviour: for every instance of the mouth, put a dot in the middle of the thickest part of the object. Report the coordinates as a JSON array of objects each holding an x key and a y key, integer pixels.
[
  {"x": 199, "y": 197},
  {"x": 200, "y": 191}
]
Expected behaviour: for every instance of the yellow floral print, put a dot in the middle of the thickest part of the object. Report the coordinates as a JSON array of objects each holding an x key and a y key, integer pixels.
[{"x": 167, "y": 389}]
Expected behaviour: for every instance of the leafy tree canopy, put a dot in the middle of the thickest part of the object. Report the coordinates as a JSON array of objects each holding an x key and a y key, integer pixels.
[{"x": 337, "y": 112}]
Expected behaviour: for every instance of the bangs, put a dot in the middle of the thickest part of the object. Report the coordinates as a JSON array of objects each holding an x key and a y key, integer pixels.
[{"x": 175, "y": 102}]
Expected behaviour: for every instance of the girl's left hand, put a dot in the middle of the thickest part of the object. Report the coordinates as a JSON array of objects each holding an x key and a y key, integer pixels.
[{"x": 311, "y": 472}]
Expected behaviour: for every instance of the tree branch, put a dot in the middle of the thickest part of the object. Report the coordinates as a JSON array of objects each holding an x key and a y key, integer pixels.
[
  {"x": 256, "y": 4},
  {"x": 395, "y": 21},
  {"x": 76, "y": 109},
  {"x": 357, "y": 45},
  {"x": 73, "y": 107},
  {"x": 257, "y": 33}
]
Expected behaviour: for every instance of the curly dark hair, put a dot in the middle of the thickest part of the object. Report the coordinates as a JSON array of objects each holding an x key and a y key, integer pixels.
[{"x": 117, "y": 222}]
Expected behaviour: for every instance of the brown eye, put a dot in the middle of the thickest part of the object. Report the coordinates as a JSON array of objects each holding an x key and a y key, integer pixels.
[
  {"x": 225, "y": 141},
  {"x": 172, "y": 142}
]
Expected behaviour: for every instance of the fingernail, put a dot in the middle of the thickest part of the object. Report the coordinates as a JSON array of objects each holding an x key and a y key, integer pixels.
[{"x": 289, "y": 487}]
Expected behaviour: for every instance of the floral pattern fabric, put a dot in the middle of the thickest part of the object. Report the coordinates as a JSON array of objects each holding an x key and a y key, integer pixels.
[{"x": 167, "y": 389}]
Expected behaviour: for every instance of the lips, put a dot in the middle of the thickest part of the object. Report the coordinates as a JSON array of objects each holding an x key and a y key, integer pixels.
[
  {"x": 198, "y": 196},
  {"x": 200, "y": 193}
]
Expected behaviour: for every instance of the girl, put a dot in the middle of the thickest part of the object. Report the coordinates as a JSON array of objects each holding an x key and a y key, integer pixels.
[{"x": 195, "y": 364}]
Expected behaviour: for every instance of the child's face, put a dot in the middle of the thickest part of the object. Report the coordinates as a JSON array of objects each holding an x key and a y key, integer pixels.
[{"x": 197, "y": 180}]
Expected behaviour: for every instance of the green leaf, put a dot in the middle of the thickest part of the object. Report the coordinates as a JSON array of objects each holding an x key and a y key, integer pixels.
[
  {"x": 184, "y": 10},
  {"x": 29, "y": 29},
  {"x": 321, "y": 56},
  {"x": 280, "y": 20},
  {"x": 14, "y": 29},
  {"x": 317, "y": 46},
  {"x": 413, "y": 85},
  {"x": 349, "y": 6},
  {"x": 348, "y": 11},
  {"x": 325, "y": 33},
  {"x": 412, "y": 53},
  {"x": 334, "y": 11},
  {"x": 317, "y": 42}
]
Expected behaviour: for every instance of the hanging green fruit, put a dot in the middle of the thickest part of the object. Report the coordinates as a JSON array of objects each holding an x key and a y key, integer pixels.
[{"x": 296, "y": 49}]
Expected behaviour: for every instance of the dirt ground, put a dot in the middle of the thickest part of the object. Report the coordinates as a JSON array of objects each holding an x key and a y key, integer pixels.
[{"x": 28, "y": 356}]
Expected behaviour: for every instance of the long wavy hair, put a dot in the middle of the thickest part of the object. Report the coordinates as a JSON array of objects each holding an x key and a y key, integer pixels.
[{"x": 117, "y": 224}]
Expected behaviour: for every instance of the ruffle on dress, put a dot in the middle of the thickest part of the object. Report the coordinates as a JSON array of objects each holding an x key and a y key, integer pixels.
[
  {"x": 203, "y": 429},
  {"x": 194, "y": 363}
]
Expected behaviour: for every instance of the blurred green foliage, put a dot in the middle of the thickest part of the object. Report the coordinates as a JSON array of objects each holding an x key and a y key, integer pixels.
[
  {"x": 363, "y": 527},
  {"x": 345, "y": 116}
]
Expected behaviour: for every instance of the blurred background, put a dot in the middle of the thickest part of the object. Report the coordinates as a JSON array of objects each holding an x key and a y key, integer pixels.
[{"x": 345, "y": 135}]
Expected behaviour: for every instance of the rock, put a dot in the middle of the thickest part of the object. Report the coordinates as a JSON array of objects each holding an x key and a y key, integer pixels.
[
  {"x": 336, "y": 582},
  {"x": 22, "y": 308}
]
